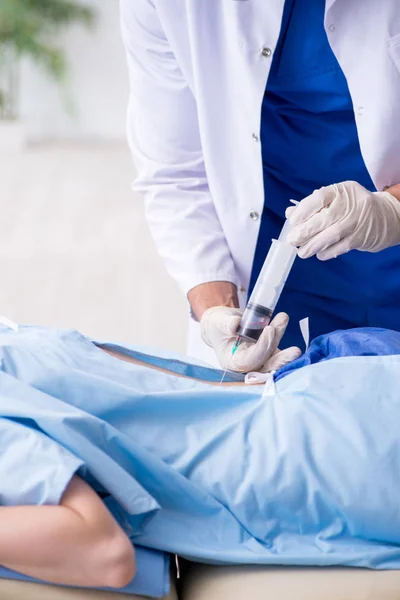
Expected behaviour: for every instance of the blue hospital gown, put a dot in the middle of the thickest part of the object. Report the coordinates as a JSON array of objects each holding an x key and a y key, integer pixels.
[
  {"x": 306, "y": 473},
  {"x": 34, "y": 469}
]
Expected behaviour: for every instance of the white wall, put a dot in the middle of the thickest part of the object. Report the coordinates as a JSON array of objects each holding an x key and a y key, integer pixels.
[
  {"x": 97, "y": 85},
  {"x": 75, "y": 250}
]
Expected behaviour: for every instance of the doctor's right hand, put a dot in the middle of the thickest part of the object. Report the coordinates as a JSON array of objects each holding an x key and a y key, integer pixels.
[{"x": 218, "y": 330}]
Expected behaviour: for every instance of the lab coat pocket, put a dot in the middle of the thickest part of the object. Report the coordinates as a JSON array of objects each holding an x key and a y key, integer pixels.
[{"x": 394, "y": 49}]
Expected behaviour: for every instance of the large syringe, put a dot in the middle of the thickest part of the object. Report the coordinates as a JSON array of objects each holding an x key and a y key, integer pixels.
[{"x": 267, "y": 289}]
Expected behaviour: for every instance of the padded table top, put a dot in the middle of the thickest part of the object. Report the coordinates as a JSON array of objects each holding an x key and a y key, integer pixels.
[
  {"x": 201, "y": 582},
  {"x": 23, "y": 590},
  {"x": 288, "y": 583}
]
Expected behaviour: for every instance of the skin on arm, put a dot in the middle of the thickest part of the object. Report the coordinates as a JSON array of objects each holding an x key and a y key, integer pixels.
[
  {"x": 136, "y": 361},
  {"x": 75, "y": 543},
  {"x": 214, "y": 293},
  {"x": 394, "y": 190}
]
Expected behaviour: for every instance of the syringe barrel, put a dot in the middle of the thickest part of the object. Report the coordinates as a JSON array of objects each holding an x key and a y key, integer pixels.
[
  {"x": 254, "y": 320},
  {"x": 286, "y": 229},
  {"x": 268, "y": 288}
]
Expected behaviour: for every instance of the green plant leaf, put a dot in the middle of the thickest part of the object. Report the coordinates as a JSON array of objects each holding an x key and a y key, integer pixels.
[{"x": 29, "y": 28}]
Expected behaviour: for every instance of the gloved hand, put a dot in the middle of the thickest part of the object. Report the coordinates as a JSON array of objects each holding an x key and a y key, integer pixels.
[
  {"x": 218, "y": 330},
  {"x": 343, "y": 217}
]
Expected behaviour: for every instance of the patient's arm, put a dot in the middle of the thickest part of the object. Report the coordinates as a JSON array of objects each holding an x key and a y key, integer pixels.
[
  {"x": 136, "y": 361},
  {"x": 76, "y": 543}
]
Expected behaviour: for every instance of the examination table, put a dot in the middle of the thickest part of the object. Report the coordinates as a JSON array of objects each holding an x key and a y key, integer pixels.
[
  {"x": 23, "y": 590},
  {"x": 288, "y": 583},
  {"x": 201, "y": 582}
]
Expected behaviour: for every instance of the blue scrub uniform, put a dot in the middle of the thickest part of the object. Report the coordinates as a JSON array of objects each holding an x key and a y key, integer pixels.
[{"x": 309, "y": 139}]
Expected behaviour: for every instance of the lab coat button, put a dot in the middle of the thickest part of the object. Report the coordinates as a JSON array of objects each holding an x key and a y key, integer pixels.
[
  {"x": 332, "y": 28},
  {"x": 266, "y": 52},
  {"x": 242, "y": 289},
  {"x": 255, "y": 137},
  {"x": 254, "y": 215},
  {"x": 361, "y": 110}
]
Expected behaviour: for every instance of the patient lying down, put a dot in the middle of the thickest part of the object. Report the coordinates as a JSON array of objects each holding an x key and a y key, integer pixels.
[
  {"x": 77, "y": 542},
  {"x": 104, "y": 447}
]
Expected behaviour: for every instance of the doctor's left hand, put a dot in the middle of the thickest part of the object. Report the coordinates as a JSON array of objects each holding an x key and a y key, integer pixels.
[
  {"x": 218, "y": 330},
  {"x": 342, "y": 217}
]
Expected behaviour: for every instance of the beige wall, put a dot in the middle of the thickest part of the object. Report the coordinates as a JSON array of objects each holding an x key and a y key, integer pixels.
[
  {"x": 97, "y": 84},
  {"x": 75, "y": 250}
]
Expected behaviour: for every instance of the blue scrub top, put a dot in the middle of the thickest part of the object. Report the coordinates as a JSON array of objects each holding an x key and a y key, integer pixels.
[{"x": 309, "y": 139}]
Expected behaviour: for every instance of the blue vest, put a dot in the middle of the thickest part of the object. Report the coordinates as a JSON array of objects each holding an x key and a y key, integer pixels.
[{"x": 309, "y": 139}]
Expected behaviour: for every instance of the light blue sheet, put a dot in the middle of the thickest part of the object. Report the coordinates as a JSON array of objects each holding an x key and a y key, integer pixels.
[{"x": 308, "y": 475}]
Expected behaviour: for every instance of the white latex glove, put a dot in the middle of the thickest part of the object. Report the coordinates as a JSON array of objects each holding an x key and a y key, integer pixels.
[
  {"x": 218, "y": 330},
  {"x": 343, "y": 217}
]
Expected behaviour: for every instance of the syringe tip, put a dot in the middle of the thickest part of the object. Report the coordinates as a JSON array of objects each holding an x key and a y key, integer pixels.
[{"x": 236, "y": 344}]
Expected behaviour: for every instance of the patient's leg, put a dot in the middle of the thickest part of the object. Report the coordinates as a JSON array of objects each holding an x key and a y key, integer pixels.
[{"x": 77, "y": 542}]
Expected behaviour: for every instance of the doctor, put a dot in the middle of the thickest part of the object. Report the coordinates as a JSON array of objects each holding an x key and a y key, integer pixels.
[{"x": 238, "y": 106}]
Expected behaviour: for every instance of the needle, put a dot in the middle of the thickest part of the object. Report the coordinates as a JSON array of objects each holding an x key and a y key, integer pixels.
[
  {"x": 236, "y": 345},
  {"x": 223, "y": 377}
]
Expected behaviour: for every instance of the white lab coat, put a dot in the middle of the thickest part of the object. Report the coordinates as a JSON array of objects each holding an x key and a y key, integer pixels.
[{"x": 198, "y": 72}]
